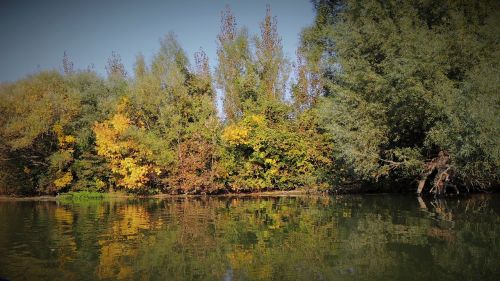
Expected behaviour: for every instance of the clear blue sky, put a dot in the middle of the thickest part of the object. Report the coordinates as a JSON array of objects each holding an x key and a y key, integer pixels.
[{"x": 34, "y": 34}]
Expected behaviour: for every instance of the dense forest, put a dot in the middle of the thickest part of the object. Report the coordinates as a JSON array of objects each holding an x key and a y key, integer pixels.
[{"x": 382, "y": 95}]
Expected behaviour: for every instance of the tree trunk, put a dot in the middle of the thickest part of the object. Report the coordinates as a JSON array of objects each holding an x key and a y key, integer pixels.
[{"x": 442, "y": 169}]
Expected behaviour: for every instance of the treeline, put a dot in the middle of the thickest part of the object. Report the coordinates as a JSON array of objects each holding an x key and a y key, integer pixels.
[{"x": 383, "y": 94}]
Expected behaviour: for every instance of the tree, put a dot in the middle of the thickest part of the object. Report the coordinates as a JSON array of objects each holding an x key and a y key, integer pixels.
[
  {"x": 115, "y": 67},
  {"x": 272, "y": 67},
  {"x": 140, "y": 68},
  {"x": 151, "y": 137},
  {"x": 37, "y": 112},
  {"x": 235, "y": 73},
  {"x": 68, "y": 66},
  {"x": 118, "y": 140},
  {"x": 395, "y": 75},
  {"x": 263, "y": 155},
  {"x": 305, "y": 91}
]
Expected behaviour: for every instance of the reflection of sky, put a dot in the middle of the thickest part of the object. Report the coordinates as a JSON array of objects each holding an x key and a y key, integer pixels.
[{"x": 34, "y": 34}]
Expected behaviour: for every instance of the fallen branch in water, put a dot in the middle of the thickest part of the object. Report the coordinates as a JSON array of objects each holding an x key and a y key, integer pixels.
[{"x": 440, "y": 170}]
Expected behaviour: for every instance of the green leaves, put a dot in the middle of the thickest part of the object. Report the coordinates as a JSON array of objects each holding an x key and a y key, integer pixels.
[
  {"x": 262, "y": 154},
  {"x": 405, "y": 86}
]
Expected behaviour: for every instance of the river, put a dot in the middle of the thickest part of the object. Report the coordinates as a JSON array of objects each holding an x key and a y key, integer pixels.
[{"x": 368, "y": 237}]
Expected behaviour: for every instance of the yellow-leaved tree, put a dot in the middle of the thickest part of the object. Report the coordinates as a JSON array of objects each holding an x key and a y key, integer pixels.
[
  {"x": 116, "y": 141},
  {"x": 61, "y": 160}
]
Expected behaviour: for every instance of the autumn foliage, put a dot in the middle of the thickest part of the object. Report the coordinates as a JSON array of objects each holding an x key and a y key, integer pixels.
[{"x": 369, "y": 101}]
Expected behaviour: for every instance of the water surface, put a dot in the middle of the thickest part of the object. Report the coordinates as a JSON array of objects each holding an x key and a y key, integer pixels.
[{"x": 371, "y": 237}]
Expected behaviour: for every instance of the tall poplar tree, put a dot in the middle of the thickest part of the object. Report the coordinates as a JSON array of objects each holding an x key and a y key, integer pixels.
[{"x": 235, "y": 72}]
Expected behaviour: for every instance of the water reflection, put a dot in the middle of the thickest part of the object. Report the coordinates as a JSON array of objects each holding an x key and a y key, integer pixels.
[{"x": 284, "y": 238}]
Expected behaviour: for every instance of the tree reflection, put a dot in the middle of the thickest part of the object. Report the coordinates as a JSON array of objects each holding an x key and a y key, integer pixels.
[{"x": 242, "y": 238}]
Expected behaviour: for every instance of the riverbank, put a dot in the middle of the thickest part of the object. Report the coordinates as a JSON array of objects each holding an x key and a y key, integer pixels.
[
  {"x": 121, "y": 195},
  {"x": 277, "y": 193}
]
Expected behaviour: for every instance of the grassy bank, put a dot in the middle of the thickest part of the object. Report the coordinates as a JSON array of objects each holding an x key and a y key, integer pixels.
[{"x": 89, "y": 195}]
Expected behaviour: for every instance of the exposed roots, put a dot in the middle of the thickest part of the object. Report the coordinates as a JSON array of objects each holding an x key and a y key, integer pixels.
[{"x": 437, "y": 175}]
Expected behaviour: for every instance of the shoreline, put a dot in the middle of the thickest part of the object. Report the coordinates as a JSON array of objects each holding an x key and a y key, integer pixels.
[
  {"x": 290, "y": 193},
  {"x": 277, "y": 193}
]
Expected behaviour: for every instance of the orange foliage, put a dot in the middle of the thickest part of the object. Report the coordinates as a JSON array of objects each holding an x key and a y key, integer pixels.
[{"x": 195, "y": 169}]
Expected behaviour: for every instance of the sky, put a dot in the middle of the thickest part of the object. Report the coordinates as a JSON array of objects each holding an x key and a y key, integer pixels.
[{"x": 34, "y": 34}]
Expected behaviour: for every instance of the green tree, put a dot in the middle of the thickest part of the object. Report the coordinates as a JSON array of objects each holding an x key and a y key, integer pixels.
[
  {"x": 235, "y": 73},
  {"x": 37, "y": 112},
  {"x": 272, "y": 67},
  {"x": 397, "y": 81}
]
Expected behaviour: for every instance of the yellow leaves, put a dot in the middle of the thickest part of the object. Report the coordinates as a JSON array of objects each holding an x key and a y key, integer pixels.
[
  {"x": 63, "y": 139},
  {"x": 134, "y": 175},
  {"x": 58, "y": 129},
  {"x": 125, "y": 155},
  {"x": 235, "y": 135},
  {"x": 106, "y": 139},
  {"x": 123, "y": 104},
  {"x": 69, "y": 139},
  {"x": 108, "y": 132},
  {"x": 157, "y": 171},
  {"x": 64, "y": 180},
  {"x": 107, "y": 136},
  {"x": 270, "y": 161},
  {"x": 120, "y": 123},
  {"x": 65, "y": 155},
  {"x": 100, "y": 184},
  {"x": 239, "y": 133},
  {"x": 256, "y": 120}
]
